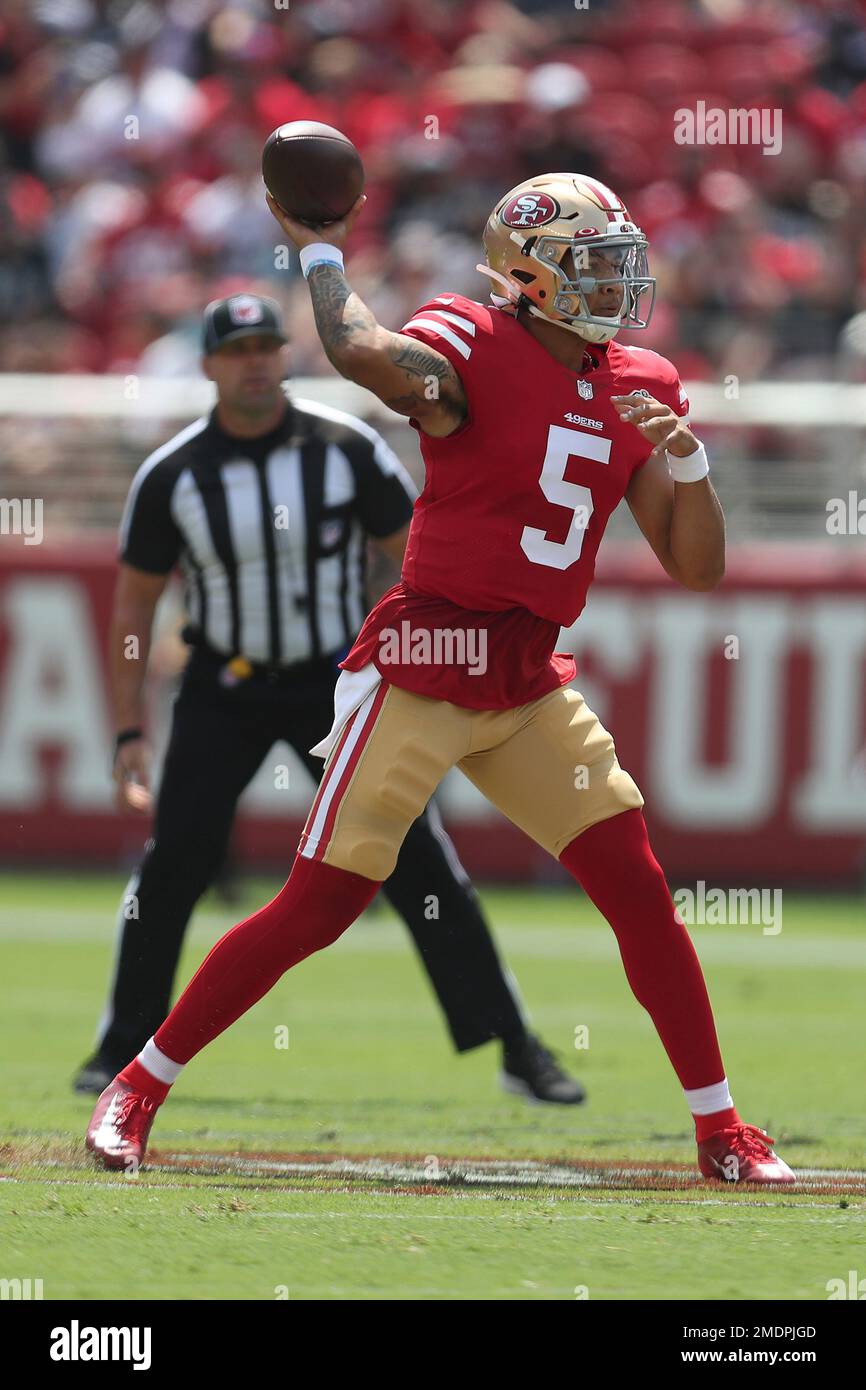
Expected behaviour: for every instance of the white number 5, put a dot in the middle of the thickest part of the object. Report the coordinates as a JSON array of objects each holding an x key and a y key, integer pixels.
[{"x": 561, "y": 444}]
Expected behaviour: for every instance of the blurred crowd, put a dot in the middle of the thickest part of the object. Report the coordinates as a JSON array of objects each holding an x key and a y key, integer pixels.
[{"x": 131, "y": 194}]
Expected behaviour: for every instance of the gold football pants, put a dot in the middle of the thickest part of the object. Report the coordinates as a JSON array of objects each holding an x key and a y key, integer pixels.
[{"x": 549, "y": 766}]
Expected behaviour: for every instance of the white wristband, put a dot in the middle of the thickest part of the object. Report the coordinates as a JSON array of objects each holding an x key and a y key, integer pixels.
[
  {"x": 320, "y": 253},
  {"x": 691, "y": 468}
]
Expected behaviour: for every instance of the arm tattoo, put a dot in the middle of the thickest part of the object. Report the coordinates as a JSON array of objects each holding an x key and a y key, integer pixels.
[
  {"x": 337, "y": 319},
  {"x": 343, "y": 321},
  {"x": 419, "y": 361},
  {"x": 421, "y": 365}
]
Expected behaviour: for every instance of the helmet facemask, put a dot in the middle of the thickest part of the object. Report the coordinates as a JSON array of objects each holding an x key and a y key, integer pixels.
[{"x": 580, "y": 266}]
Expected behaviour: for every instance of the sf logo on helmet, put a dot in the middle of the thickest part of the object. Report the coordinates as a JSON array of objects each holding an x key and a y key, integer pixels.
[{"x": 530, "y": 210}]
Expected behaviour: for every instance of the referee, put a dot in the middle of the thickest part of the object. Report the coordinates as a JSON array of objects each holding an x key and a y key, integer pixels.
[{"x": 267, "y": 505}]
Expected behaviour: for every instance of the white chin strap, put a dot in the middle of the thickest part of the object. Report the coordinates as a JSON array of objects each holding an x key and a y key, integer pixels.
[
  {"x": 511, "y": 295},
  {"x": 591, "y": 332}
]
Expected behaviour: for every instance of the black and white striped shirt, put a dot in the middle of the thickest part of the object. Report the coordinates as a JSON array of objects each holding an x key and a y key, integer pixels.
[{"x": 270, "y": 533}]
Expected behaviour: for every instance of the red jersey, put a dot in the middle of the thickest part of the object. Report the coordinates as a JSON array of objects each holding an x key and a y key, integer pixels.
[{"x": 504, "y": 535}]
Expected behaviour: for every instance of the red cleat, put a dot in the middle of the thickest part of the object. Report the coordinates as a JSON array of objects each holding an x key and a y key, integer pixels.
[
  {"x": 742, "y": 1153},
  {"x": 119, "y": 1126}
]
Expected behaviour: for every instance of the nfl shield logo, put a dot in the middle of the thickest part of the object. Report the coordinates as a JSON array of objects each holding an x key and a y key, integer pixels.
[
  {"x": 329, "y": 533},
  {"x": 584, "y": 390},
  {"x": 244, "y": 309}
]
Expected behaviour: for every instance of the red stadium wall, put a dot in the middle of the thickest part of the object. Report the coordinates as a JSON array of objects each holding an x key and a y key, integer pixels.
[{"x": 740, "y": 713}]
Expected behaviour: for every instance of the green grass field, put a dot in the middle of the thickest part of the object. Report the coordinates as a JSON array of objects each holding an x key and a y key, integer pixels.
[{"x": 369, "y": 1071}]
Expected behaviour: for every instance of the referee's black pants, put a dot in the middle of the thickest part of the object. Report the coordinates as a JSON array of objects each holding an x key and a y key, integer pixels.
[{"x": 219, "y": 738}]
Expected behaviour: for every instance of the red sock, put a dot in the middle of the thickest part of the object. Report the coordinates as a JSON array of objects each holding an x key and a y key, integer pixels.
[
  {"x": 140, "y": 1079},
  {"x": 705, "y": 1125},
  {"x": 616, "y": 867},
  {"x": 312, "y": 909}
]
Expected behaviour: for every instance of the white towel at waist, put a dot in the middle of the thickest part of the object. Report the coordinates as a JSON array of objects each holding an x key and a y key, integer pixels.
[{"x": 351, "y": 690}]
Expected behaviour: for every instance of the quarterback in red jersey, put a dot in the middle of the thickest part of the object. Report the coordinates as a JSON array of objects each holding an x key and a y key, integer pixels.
[
  {"x": 534, "y": 424},
  {"x": 517, "y": 498}
]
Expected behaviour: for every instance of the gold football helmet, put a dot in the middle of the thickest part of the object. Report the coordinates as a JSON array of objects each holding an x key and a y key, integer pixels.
[{"x": 555, "y": 240}]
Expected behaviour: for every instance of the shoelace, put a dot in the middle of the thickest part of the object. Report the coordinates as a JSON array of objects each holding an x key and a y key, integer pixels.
[
  {"x": 753, "y": 1142},
  {"x": 126, "y": 1107},
  {"x": 128, "y": 1104}
]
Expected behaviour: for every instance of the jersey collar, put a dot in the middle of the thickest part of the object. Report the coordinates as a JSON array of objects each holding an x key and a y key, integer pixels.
[{"x": 260, "y": 443}]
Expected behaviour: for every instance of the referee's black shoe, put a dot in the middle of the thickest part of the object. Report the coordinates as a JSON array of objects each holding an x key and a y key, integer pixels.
[
  {"x": 529, "y": 1069},
  {"x": 93, "y": 1077}
]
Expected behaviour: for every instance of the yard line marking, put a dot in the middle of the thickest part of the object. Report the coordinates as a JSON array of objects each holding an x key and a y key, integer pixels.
[{"x": 499, "y": 1173}]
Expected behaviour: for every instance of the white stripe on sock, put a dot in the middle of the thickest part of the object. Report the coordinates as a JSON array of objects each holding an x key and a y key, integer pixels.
[
  {"x": 160, "y": 1066},
  {"x": 708, "y": 1100}
]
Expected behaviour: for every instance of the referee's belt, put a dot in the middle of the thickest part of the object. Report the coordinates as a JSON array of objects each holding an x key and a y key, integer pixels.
[{"x": 238, "y": 669}]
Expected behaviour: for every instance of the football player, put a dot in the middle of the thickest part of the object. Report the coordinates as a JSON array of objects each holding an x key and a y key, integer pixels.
[{"x": 534, "y": 423}]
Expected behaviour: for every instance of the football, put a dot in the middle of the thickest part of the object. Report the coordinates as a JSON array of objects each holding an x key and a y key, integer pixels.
[{"x": 313, "y": 171}]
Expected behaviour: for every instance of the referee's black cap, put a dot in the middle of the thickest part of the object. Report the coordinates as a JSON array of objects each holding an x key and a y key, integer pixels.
[{"x": 240, "y": 316}]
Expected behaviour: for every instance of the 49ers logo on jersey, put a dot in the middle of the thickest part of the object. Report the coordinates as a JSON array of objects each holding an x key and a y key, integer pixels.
[{"x": 530, "y": 210}]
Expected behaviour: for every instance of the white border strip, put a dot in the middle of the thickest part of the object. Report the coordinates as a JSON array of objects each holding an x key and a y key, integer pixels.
[{"x": 335, "y": 772}]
